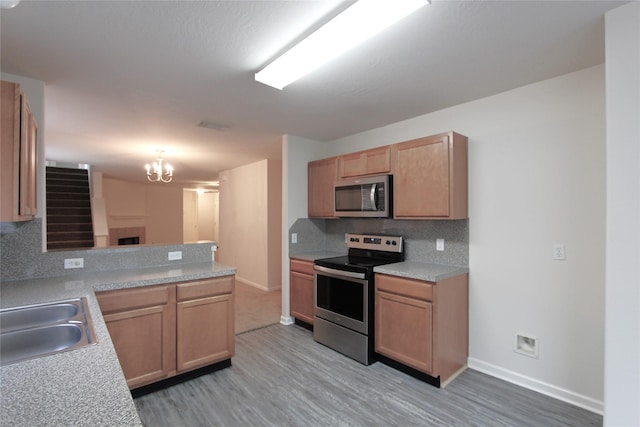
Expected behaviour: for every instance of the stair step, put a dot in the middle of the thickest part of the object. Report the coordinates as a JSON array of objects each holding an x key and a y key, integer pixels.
[
  {"x": 66, "y": 171},
  {"x": 65, "y": 227},
  {"x": 68, "y": 236},
  {"x": 76, "y": 244},
  {"x": 67, "y": 189},
  {"x": 55, "y": 211},
  {"x": 66, "y": 196},
  {"x": 68, "y": 203},
  {"x": 68, "y": 219}
]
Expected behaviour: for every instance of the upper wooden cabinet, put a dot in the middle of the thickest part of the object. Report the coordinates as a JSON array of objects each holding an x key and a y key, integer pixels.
[
  {"x": 368, "y": 162},
  {"x": 19, "y": 145},
  {"x": 321, "y": 176},
  {"x": 430, "y": 177}
]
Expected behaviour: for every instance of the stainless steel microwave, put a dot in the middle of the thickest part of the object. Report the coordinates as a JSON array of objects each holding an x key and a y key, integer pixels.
[{"x": 363, "y": 197}]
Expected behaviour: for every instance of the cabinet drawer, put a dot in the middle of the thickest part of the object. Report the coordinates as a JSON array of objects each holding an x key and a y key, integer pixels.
[
  {"x": 205, "y": 288},
  {"x": 304, "y": 267},
  {"x": 127, "y": 299},
  {"x": 407, "y": 287}
]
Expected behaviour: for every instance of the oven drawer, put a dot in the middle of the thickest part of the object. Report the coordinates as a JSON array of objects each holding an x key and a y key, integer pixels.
[{"x": 406, "y": 287}]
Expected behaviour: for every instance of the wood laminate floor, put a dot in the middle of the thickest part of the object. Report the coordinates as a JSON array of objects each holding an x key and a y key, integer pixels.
[
  {"x": 281, "y": 377},
  {"x": 256, "y": 308}
]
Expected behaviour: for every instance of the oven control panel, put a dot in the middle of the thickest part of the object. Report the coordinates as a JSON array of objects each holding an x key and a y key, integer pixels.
[{"x": 374, "y": 242}]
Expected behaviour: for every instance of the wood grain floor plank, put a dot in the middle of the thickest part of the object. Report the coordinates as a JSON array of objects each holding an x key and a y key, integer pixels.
[{"x": 281, "y": 377}]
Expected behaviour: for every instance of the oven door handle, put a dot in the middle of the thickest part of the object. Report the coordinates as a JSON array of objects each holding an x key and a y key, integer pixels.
[{"x": 338, "y": 272}]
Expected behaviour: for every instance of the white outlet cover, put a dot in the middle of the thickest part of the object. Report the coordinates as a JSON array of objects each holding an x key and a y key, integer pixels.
[
  {"x": 527, "y": 345},
  {"x": 294, "y": 237},
  {"x": 558, "y": 252},
  {"x": 70, "y": 263},
  {"x": 176, "y": 255},
  {"x": 440, "y": 244}
]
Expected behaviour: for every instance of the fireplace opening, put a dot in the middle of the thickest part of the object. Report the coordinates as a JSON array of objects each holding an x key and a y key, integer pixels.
[{"x": 134, "y": 240}]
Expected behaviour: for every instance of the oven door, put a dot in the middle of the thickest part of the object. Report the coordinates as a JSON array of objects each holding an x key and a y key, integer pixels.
[{"x": 341, "y": 297}]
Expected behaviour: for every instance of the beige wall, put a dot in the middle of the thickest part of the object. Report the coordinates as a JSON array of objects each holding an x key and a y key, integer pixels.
[
  {"x": 208, "y": 207},
  {"x": 250, "y": 222},
  {"x": 157, "y": 208},
  {"x": 200, "y": 216},
  {"x": 190, "y": 216}
]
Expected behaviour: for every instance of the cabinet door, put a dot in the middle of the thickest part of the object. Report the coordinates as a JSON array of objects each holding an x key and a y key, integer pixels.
[
  {"x": 28, "y": 161},
  {"x": 302, "y": 296},
  {"x": 142, "y": 339},
  {"x": 141, "y": 323},
  {"x": 430, "y": 177},
  {"x": 321, "y": 176},
  {"x": 421, "y": 178},
  {"x": 404, "y": 330},
  {"x": 205, "y": 332},
  {"x": 369, "y": 162},
  {"x": 19, "y": 156}
]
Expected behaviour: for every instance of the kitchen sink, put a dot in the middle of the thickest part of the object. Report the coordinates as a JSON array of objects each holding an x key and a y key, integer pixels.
[
  {"x": 33, "y": 316},
  {"x": 39, "y": 330}
]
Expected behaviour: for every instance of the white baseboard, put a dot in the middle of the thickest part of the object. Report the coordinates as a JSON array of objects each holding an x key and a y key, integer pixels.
[
  {"x": 287, "y": 320},
  {"x": 255, "y": 285},
  {"x": 585, "y": 402}
]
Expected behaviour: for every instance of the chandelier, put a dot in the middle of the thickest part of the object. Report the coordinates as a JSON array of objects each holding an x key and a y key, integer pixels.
[{"x": 159, "y": 171}]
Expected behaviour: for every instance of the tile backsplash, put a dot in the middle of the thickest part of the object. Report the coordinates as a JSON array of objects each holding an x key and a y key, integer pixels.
[
  {"x": 419, "y": 237},
  {"x": 21, "y": 255}
]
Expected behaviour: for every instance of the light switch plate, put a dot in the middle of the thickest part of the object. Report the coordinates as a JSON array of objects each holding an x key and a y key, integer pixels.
[
  {"x": 176, "y": 255},
  {"x": 440, "y": 244}
]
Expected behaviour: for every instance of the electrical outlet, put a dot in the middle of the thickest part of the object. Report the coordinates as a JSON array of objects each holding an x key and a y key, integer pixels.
[
  {"x": 173, "y": 256},
  {"x": 526, "y": 344},
  {"x": 294, "y": 237},
  {"x": 440, "y": 244},
  {"x": 73, "y": 263},
  {"x": 558, "y": 252}
]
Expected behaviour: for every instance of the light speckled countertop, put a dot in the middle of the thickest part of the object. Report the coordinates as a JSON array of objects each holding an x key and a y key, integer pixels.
[
  {"x": 409, "y": 269},
  {"x": 312, "y": 256},
  {"x": 421, "y": 270},
  {"x": 84, "y": 386}
]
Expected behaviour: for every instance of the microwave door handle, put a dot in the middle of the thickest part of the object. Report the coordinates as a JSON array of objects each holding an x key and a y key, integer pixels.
[{"x": 374, "y": 202}]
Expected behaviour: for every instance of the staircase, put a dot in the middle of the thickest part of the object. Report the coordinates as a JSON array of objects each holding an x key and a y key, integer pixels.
[{"x": 69, "y": 224}]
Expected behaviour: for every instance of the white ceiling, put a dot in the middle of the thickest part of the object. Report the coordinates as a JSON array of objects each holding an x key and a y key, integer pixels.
[{"x": 124, "y": 78}]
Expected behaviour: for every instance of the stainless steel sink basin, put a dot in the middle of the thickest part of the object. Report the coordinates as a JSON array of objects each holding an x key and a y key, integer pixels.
[
  {"x": 39, "y": 330},
  {"x": 37, "y": 315}
]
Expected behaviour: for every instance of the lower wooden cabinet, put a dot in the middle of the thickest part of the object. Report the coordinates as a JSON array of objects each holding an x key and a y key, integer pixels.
[
  {"x": 405, "y": 330},
  {"x": 423, "y": 325},
  {"x": 205, "y": 323},
  {"x": 161, "y": 331},
  {"x": 301, "y": 284}
]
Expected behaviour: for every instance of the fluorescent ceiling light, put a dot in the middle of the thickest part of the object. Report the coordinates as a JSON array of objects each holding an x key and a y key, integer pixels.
[{"x": 362, "y": 20}]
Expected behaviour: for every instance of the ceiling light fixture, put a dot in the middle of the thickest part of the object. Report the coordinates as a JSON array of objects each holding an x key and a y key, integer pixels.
[
  {"x": 8, "y": 4},
  {"x": 159, "y": 171},
  {"x": 212, "y": 125},
  {"x": 356, "y": 24}
]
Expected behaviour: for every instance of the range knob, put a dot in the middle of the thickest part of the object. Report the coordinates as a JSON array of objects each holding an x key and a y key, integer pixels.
[
  {"x": 388, "y": 242},
  {"x": 394, "y": 243}
]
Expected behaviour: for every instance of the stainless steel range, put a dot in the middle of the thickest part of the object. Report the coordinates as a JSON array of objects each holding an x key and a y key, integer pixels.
[{"x": 344, "y": 294}]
